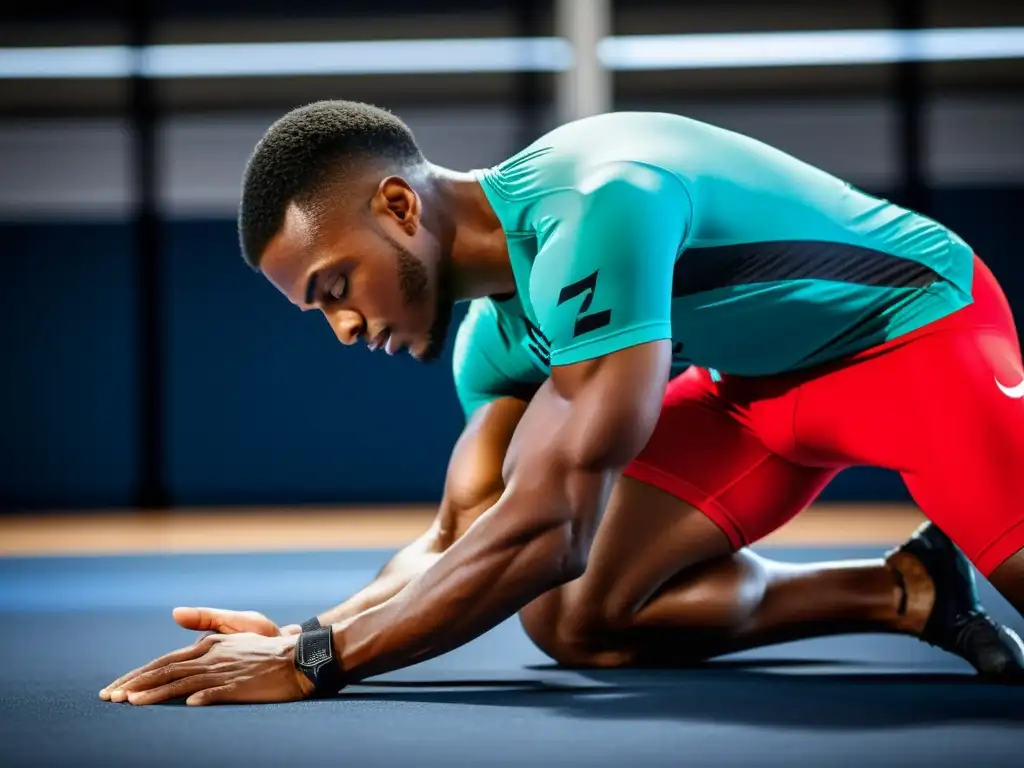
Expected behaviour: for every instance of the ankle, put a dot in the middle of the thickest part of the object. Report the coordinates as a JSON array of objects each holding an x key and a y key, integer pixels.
[{"x": 913, "y": 593}]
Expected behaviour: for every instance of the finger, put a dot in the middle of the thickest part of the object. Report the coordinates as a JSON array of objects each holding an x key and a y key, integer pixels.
[
  {"x": 177, "y": 689},
  {"x": 291, "y": 629},
  {"x": 157, "y": 678},
  {"x": 199, "y": 619},
  {"x": 221, "y": 694},
  {"x": 183, "y": 654},
  {"x": 224, "y": 621}
]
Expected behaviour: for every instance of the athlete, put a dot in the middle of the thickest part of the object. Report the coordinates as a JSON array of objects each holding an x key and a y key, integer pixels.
[{"x": 819, "y": 328}]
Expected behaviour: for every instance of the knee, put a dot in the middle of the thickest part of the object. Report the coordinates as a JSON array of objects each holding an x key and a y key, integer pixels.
[{"x": 578, "y": 633}]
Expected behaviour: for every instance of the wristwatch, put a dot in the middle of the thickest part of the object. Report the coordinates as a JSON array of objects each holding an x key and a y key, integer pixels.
[{"x": 314, "y": 657}]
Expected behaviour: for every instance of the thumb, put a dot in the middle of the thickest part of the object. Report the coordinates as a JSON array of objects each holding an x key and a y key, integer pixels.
[{"x": 225, "y": 622}]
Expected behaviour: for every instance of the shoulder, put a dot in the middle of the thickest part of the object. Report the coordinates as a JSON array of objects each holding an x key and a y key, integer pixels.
[
  {"x": 621, "y": 159},
  {"x": 619, "y": 216},
  {"x": 489, "y": 359},
  {"x": 477, "y": 335},
  {"x": 602, "y": 278}
]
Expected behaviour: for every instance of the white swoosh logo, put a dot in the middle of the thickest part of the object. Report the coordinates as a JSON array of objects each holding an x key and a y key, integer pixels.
[{"x": 1015, "y": 392}]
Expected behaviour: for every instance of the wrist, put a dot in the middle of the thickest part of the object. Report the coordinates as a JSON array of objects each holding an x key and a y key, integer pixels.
[
  {"x": 305, "y": 684},
  {"x": 297, "y": 629},
  {"x": 317, "y": 661}
]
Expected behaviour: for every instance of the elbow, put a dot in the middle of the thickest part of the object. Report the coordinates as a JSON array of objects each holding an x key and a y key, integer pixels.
[
  {"x": 565, "y": 544},
  {"x": 609, "y": 444},
  {"x": 578, "y": 541},
  {"x": 570, "y": 527},
  {"x": 560, "y": 508}
]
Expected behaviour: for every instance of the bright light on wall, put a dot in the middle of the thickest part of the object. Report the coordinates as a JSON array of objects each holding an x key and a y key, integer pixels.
[
  {"x": 483, "y": 55},
  {"x": 775, "y": 49},
  {"x": 372, "y": 57}
]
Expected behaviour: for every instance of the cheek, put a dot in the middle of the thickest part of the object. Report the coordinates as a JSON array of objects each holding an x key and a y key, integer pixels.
[
  {"x": 414, "y": 318},
  {"x": 375, "y": 291}
]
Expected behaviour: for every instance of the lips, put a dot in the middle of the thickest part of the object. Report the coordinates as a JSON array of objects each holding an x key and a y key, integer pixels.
[
  {"x": 379, "y": 340},
  {"x": 392, "y": 346}
]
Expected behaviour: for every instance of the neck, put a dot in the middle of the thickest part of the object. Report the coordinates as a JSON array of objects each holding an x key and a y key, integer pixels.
[{"x": 478, "y": 259}]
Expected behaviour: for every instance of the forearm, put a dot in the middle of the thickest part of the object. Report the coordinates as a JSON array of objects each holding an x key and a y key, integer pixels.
[
  {"x": 405, "y": 566},
  {"x": 559, "y": 467},
  {"x": 479, "y": 582},
  {"x": 472, "y": 486}
]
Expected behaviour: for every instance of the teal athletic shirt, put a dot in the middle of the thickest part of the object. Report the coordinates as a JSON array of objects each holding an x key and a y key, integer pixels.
[{"x": 628, "y": 228}]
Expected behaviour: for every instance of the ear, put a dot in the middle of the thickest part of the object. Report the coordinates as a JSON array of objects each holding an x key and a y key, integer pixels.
[{"x": 398, "y": 201}]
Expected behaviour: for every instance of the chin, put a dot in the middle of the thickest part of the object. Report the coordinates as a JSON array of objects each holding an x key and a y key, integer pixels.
[
  {"x": 437, "y": 336},
  {"x": 429, "y": 353}
]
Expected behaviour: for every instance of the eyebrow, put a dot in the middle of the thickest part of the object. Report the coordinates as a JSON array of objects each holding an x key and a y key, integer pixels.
[{"x": 311, "y": 288}]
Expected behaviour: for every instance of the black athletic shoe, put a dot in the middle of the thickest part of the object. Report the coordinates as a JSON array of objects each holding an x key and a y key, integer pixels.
[{"x": 958, "y": 622}]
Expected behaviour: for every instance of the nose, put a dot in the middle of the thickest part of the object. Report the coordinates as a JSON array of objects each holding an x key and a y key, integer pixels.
[{"x": 348, "y": 326}]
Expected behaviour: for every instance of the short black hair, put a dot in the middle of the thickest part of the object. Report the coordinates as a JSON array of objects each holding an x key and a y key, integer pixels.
[{"x": 307, "y": 150}]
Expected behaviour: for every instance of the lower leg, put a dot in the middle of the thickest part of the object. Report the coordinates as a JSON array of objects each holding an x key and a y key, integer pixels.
[
  {"x": 923, "y": 589},
  {"x": 745, "y": 601},
  {"x": 632, "y": 608},
  {"x": 663, "y": 586}
]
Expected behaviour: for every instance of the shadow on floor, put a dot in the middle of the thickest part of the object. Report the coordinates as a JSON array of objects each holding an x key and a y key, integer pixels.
[{"x": 823, "y": 696}]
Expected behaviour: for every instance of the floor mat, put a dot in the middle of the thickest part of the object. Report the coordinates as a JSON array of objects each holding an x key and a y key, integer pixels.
[{"x": 68, "y": 626}]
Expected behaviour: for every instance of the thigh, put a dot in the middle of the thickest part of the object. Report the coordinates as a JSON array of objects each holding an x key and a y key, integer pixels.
[
  {"x": 972, "y": 483},
  {"x": 703, "y": 487},
  {"x": 945, "y": 409},
  {"x": 969, "y": 479},
  {"x": 706, "y": 452}
]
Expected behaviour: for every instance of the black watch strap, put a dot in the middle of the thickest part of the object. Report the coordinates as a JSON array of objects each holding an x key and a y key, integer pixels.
[
  {"x": 314, "y": 657},
  {"x": 311, "y": 624}
]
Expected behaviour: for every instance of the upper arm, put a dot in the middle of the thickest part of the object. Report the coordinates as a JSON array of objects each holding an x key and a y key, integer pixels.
[
  {"x": 494, "y": 382},
  {"x": 488, "y": 364},
  {"x": 591, "y": 417},
  {"x": 601, "y": 287},
  {"x": 601, "y": 290},
  {"x": 474, "y": 481},
  {"x": 602, "y": 279}
]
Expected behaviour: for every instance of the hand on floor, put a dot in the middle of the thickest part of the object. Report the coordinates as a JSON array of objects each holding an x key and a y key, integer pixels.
[
  {"x": 219, "y": 669},
  {"x": 214, "y": 621}
]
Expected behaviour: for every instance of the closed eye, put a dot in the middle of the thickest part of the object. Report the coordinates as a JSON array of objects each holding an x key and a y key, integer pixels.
[{"x": 338, "y": 288}]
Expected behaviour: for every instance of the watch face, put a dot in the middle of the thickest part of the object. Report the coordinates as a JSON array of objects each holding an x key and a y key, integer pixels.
[
  {"x": 317, "y": 657},
  {"x": 314, "y": 649}
]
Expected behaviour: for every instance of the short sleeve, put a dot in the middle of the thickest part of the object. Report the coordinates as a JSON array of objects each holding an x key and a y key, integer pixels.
[
  {"x": 602, "y": 279},
  {"x": 487, "y": 363}
]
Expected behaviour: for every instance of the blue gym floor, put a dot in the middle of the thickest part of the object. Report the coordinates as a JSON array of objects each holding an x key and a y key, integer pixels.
[{"x": 70, "y": 626}]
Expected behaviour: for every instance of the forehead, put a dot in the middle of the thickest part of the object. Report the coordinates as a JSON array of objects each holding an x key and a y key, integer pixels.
[{"x": 292, "y": 256}]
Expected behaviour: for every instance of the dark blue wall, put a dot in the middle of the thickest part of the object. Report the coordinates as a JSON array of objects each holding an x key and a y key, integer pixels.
[
  {"x": 67, "y": 351},
  {"x": 262, "y": 405}
]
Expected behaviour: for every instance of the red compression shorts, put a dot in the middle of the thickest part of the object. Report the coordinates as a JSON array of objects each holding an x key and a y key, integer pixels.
[{"x": 943, "y": 406}]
